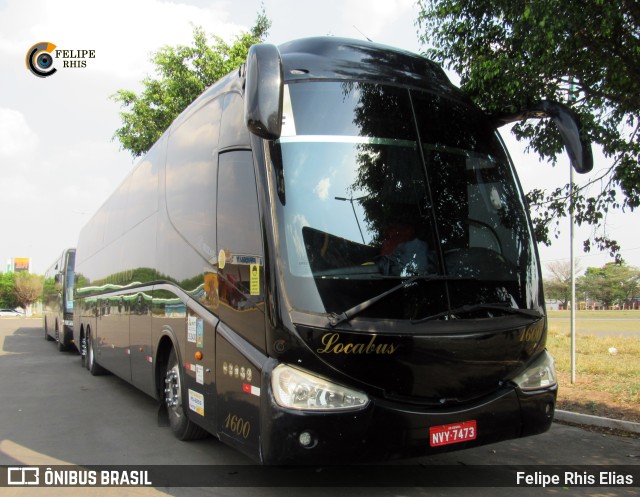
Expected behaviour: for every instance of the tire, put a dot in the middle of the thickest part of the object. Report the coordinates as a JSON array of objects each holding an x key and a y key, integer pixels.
[
  {"x": 94, "y": 368},
  {"x": 47, "y": 337},
  {"x": 59, "y": 343},
  {"x": 83, "y": 351},
  {"x": 183, "y": 428}
]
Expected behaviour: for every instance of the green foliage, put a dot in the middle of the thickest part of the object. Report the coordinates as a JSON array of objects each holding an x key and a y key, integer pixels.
[
  {"x": 610, "y": 284},
  {"x": 511, "y": 53},
  {"x": 7, "y": 294},
  {"x": 183, "y": 73},
  {"x": 49, "y": 286}
]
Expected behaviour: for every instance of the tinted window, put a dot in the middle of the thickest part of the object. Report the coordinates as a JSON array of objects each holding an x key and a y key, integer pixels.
[
  {"x": 191, "y": 177},
  {"x": 143, "y": 187},
  {"x": 233, "y": 132},
  {"x": 238, "y": 221},
  {"x": 240, "y": 271},
  {"x": 115, "y": 210}
]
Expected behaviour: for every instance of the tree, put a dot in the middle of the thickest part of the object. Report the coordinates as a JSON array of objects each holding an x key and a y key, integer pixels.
[
  {"x": 611, "y": 284},
  {"x": 184, "y": 72},
  {"x": 558, "y": 286},
  {"x": 7, "y": 294},
  {"x": 28, "y": 289},
  {"x": 511, "y": 53}
]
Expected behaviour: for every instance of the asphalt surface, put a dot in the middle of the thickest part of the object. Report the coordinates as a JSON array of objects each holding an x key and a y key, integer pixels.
[{"x": 52, "y": 411}]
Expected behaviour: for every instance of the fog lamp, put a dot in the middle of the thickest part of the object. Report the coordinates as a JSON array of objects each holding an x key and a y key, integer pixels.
[{"x": 305, "y": 439}]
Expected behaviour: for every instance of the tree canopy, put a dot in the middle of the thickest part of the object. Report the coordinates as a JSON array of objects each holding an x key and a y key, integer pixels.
[
  {"x": 7, "y": 294},
  {"x": 28, "y": 289},
  {"x": 558, "y": 285},
  {"x": 183, "y": 73},
  {"x": 512, "y": 53},
  {"x": 610, "y": 284}
]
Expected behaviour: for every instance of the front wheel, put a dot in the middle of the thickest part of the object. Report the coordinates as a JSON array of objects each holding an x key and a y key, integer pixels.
[
  {"x": 182, "y": 427},
  {"x": 47, "y": 337},
  {"x": 60, "y": 340}
]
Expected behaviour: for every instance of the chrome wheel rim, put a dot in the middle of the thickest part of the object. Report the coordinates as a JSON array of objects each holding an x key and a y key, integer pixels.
[{"x": 172, "y": 388}]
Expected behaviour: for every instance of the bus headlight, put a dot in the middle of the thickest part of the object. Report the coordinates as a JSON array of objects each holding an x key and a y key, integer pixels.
[
  {"x": 296, "y": 389},
  {"x": 540, "y": 374}
]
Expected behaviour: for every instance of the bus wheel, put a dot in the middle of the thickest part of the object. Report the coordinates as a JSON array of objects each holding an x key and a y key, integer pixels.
[
  {"x": 182, "y": 427},
  {"x": 94, "y": 368},
  {"x": 47, "y": 337},
  {"x": 59, "y": 343},
  {"x": 83, "y": 351}
]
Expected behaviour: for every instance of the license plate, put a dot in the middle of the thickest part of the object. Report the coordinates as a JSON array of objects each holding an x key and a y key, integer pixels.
[{"x": 452, "y": 433}]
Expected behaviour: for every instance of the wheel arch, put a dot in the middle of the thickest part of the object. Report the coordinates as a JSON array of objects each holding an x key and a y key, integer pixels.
[{"x": 165, "y": 345}]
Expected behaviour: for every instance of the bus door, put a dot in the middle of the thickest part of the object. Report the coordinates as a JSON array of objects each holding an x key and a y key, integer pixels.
[{"x": 240, "y": 275}]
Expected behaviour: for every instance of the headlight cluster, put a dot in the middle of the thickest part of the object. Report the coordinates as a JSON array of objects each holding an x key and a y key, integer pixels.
[
  {"x": 296, "y": 389},
  {"x": 540, "y": 374}
]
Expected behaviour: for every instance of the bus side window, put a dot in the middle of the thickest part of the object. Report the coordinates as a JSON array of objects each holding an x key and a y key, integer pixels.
[
  {"x": 240, "y": 254},
  {"x": 191, "y": 177}
]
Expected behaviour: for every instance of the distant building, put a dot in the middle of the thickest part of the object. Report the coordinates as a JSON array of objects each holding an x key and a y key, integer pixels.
[{"x": 553, "y": 304}]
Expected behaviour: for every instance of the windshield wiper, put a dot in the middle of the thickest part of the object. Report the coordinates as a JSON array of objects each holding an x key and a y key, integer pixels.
[
  {"x": 335, "y": 319},
  {"x": 498, "y": 306}
]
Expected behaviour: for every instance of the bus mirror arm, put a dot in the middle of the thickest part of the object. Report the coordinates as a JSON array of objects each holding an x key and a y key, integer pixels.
[
  {"x": 568, "y": 124},
  {"x": 264, "y": 88}
]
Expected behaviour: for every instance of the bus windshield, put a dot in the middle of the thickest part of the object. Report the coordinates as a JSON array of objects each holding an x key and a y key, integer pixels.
[
  {"x": 379, "y": 183},
  {"x": 70, "y": 280}
]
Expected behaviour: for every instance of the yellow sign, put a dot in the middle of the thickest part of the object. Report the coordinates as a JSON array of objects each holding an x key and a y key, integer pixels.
[
  {"x": 254, "y": 287},
  {"x": 21, "y": 264}
]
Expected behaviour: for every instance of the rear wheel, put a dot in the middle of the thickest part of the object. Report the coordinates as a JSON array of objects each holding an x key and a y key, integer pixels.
[
  {"x": 182, "y": 427},
  {"x": 83, "y": 350},
  {"x": 94, "y": 368}
]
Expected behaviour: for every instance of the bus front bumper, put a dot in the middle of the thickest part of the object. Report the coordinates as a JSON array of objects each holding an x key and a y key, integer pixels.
[{"x": 390, "y": 430}]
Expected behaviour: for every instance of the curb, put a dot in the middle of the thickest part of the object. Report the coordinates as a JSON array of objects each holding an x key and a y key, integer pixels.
[{"x": 587, "y": 419}]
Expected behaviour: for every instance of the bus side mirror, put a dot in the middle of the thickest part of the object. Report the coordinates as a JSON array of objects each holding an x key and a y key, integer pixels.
[
  {"x": 569, "y": 126},
  {"x": 264, "y": 87}
]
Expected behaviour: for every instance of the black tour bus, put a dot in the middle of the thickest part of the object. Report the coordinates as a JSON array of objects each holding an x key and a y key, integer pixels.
[
  {"x": 57, "y": 300},
  {"x": 327, "y": 257}
]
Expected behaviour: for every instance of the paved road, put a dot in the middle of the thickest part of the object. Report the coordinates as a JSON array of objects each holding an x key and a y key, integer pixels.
[{"x": 53, "y": 412}]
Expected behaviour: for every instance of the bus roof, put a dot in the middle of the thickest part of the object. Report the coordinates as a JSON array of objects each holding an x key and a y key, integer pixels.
[{"x": 334, "y": 58}]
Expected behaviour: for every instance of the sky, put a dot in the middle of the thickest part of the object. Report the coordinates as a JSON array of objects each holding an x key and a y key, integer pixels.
[{"x": 58, "y": 159}]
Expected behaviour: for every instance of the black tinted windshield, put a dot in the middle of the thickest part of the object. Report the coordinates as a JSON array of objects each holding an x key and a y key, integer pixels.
[
  {"x": 379, "y": 183},
  {"x": 71, "y": 261}
]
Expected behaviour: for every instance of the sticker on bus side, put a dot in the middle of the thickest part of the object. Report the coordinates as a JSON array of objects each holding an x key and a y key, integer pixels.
[
  {"x": 192, "y": 322},
  {"x": 200, "y": 333},
  {"x": 452, "y": 433},
  {"x": 196, "y": 402},
  {"x": 254, "y": 280}
]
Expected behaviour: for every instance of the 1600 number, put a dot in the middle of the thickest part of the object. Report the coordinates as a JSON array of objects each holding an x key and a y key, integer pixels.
[{"x": 237, "y": 425}]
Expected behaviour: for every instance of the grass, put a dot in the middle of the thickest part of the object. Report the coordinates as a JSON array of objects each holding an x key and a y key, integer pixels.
[
  {"x": 597, "y": 322},
  {"x": 607, "y": 363}
]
